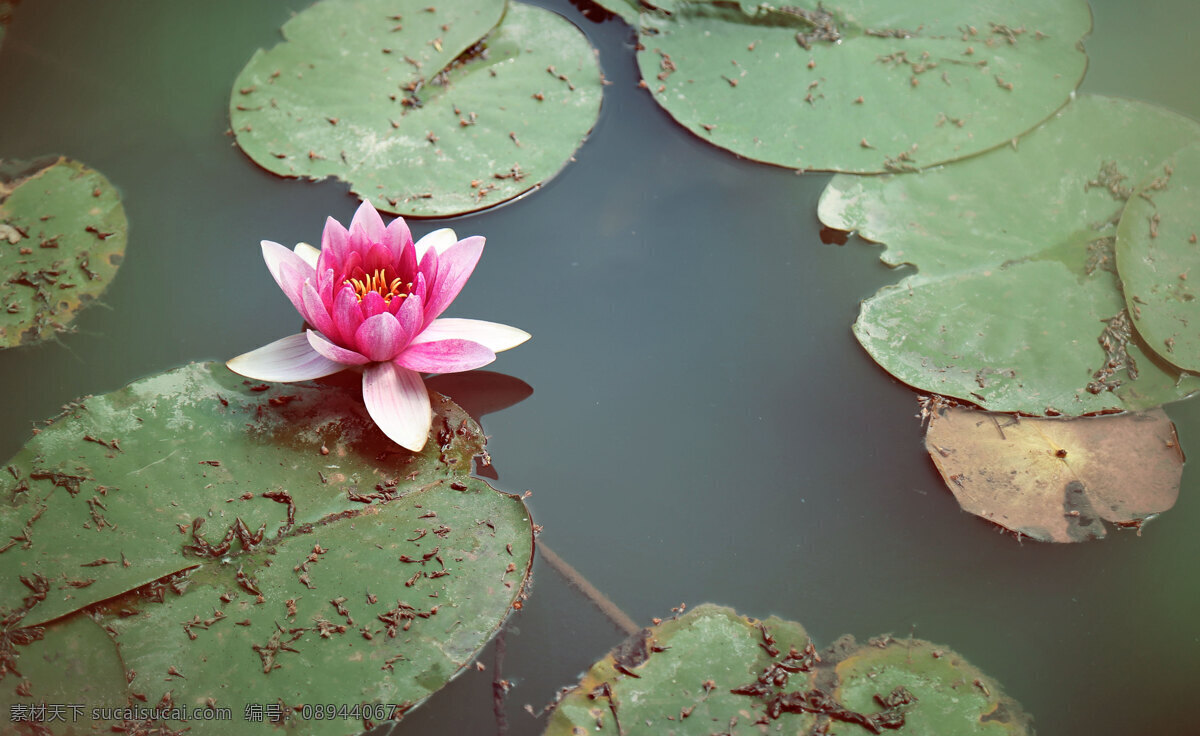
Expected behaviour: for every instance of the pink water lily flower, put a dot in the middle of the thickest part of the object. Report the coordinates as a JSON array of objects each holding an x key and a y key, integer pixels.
[{"x": 374, "y": 299}]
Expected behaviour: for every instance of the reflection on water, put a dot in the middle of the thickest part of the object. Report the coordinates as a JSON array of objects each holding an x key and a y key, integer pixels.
[{"x": 702, "y": 424}]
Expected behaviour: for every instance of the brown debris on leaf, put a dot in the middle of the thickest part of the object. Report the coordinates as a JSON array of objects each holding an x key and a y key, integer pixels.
[{"x": 1057, "y": 480}]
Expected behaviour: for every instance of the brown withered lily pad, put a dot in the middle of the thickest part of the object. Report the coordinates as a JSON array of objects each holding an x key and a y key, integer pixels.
[{"x": 1058, "y": 480}]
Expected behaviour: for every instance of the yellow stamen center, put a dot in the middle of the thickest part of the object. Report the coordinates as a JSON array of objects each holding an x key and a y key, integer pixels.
[{"x": 379, "y": 283}]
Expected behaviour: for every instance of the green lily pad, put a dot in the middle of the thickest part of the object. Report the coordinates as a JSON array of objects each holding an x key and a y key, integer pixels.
[
  {"x": 1058, "y": 480},
  {"x": 683, "y": 672},
  {"x": 713, "y": 671},
  {"x": 1156, "y": 252},
  {"x": 425, "y": 110},
  {"x": 62, "y": 237},
  {"x": 1016, "y": 305},
  {"x": 67, "y": 664},
  {"x": 860, "y": 85},
  {"x": 952, "y": 696},
  {"x": 215, "y": 527}
]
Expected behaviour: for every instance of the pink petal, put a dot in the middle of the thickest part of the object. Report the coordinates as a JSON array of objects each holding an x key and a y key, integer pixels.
[
  {"x": 334, "y": 244},
  {"x": 429, "y": 266},
  {"x": 493, "y": 335},
  {"x": 445, "y": 356},
  {"x": 437, "y": 242},
  {"x": 352, "y": 262},
  {"x": 454, "y": 268},
  {"x": 398, "y": 402},
  {"x": 397, "y": 236},
  {"x": 289, "y": 270},
  {"x": 373, "y": 304},
  {"x": 410, "y": 314},
  {"x": 377, "y": 257},
  {"x": 406, "y": 263},
  {"x": 325, "y": 287},
  {"x": 380, "y": 337},
  {"x": 420, "y": 289},
  {"x": 334, "y": 352},
  {"x": 289, "y": 359},
  {"x": 347, "y": 315},
  {"x": 367, "y": 222},
  {"x": 315, "y": 311}
]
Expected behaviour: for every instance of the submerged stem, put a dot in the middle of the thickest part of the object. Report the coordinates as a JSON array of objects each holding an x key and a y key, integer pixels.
[{"x": 577, "y": 581}]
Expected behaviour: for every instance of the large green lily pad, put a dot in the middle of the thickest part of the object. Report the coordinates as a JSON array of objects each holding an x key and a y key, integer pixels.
[
  {"x": 246, "y": 544},
  {"x": 62, "y": 236},
  {"x": 860, "y": 85},
  {"x": 1058, "y": 480},
  {"x": 425, "y": 110},
  {"x": 713, "y": 671},
  {"x": 1016, "y": 305},
  {"x": 1157, "y": 252}
]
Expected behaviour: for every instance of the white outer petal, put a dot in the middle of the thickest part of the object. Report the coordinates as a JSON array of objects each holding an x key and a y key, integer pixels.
[
  {"x": 308, "y": 253},
  {"x": 439, "y": 240},
  {"x": 492, "y": 335},
  {"x": 276, "y": 255},
  {"x": 398, "y": 403},
  {"x": 289, "y": 359}
]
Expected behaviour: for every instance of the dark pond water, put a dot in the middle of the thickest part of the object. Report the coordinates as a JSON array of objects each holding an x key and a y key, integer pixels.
[{"x": 703, "y": 426}]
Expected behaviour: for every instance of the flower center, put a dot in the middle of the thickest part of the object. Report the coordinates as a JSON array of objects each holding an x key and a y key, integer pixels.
[{"x": 379, "y": 283}]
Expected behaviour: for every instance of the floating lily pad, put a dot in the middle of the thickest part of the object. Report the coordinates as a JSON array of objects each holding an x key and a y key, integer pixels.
[
  {"x": 425, "y": 110},
  {"x": 713, "y": 671},
  {"x": 1016, "y": 305},
  {"x": 859, "y": 85},
  {"x": 216, "y": 527},
  {"x": 67, "y": 664},
  {"x": 951, "y": 696},
  {"x": 1156, "y": 255},
  {"x": 62, "y": 236},
  {"x": 1057, "y": 480}
]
